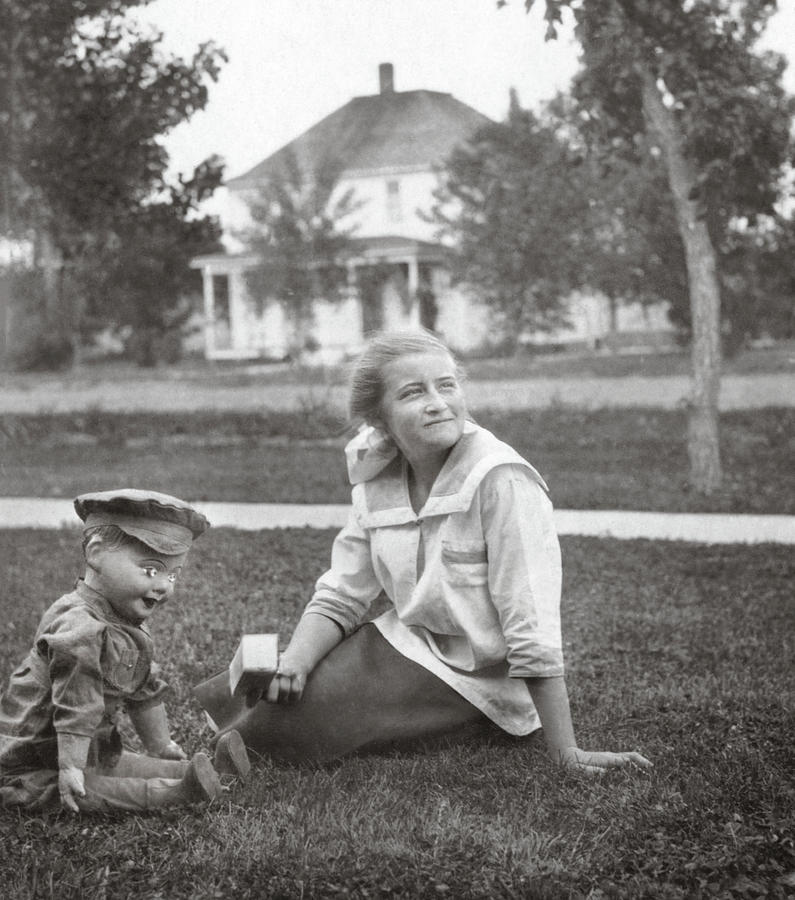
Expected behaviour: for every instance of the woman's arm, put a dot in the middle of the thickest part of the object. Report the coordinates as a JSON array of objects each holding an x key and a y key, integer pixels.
[
  {"x": 341, "y": 599},
  {"x": 314, "y": 636},
  {"x": 524, "y": 580},
  {"x": 551, "y": 700}
]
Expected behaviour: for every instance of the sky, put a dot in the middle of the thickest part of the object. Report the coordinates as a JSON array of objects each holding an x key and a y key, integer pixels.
[{"x": 291, "y": 62}]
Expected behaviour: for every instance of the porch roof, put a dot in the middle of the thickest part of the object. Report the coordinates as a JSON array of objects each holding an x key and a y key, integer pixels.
[
  {"x": 364, "y": 250},
  {"x": 391, "y": 248}
]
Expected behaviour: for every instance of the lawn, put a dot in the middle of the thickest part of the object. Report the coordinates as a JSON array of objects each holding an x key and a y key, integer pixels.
[
  {"x": 592, "y": 459},
  {"x": 681, "y": 651}
]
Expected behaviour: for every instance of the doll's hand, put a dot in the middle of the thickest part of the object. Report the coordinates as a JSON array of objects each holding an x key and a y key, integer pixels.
[
  {"x": 595, "y": 763},
  {"x": 172, "y": 750},
  {"x": 71, "y": 783}
]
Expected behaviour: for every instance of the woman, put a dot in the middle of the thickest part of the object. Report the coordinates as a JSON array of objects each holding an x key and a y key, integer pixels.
[{"x": 456, "y": 529}]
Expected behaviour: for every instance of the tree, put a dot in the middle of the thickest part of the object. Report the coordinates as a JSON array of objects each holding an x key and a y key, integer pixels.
[
  {"x": 684, "y": 72},
  {"x": 630, "y": 250},
  {"x": 142, "y": 278},
  {"x": 536, "y": 212},
  {"x": 509, "y": 201},
  {"x": 300, "y": 240},
  {"x": 88, "y": 98}
]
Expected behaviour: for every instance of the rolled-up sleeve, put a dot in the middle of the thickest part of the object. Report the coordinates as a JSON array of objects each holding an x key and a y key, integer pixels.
[
  {"x": 151, "y": 691},
  {"x": 524, "y": 570},
  {"x": 344, "y": 593}
]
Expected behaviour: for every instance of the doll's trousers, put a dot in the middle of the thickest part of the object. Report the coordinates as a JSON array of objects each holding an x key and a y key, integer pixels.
[
  {"x": 135, "y": 783},
  {"x": 364, "y": 694}
]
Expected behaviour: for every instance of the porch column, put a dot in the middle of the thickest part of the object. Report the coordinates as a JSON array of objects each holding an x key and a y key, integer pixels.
[
  {"x": 239, "y": 325},
  {"x": 414, "y": 281},
  {"x": 208, "y": 294},
  {"x": 352, "y": 297}
]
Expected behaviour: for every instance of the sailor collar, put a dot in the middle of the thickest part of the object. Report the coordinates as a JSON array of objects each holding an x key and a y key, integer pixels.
[{"x": 384, "y": 500}]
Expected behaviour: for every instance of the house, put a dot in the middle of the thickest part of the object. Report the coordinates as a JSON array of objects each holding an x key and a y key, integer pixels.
[
  {"x": 387, "y": 145},
  {"x": 386, "y": 148}
]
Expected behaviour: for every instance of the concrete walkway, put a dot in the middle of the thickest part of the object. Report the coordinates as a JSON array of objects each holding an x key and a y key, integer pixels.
[{"x": 709, "y": 528}]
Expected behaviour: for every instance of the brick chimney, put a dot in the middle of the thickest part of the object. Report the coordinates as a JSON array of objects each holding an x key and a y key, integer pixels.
[{"x": 386, "y": 78}]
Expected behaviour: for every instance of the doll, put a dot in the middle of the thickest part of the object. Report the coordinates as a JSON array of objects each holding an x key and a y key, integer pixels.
[{"x": 92, "y": 659}]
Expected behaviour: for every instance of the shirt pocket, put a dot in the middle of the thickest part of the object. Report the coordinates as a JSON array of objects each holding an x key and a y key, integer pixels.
[
  {"x": 119, "y": 661},
  {"x": 465, "y": 562}
]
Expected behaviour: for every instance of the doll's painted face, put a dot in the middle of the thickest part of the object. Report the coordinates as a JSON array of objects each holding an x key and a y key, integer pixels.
[
  {"x": 134, "y": 579},
  {"x": 423, "y": 407}
]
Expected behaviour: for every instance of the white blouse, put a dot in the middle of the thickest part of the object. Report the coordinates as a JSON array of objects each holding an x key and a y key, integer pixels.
[{"x": 474, "y": 578}]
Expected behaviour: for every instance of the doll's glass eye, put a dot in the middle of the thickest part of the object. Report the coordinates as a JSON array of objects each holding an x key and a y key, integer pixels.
[{"x": 150, "y": 571}]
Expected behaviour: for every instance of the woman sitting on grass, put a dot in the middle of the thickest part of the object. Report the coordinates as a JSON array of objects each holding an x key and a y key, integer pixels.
[{"x": 456, "y": 529}]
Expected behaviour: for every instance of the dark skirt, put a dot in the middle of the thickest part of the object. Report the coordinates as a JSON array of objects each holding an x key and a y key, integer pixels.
[{"x": 364, "y": 694}]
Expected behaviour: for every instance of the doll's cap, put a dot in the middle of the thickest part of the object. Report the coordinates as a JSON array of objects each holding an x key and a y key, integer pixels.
[{"x": 164, "y": 523}]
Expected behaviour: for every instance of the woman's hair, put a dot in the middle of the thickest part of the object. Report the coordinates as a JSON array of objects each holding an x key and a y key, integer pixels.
[
  {"x": 367, "y": 379},
  {"x": 111, "y": 536}
]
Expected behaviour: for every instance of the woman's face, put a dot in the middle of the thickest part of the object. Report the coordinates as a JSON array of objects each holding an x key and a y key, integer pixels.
[{"x": 423, "y": 408}]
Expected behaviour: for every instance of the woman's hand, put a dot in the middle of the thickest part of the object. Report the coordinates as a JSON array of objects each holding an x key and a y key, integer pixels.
[
  {"x": 287, "y": 685},
  {"x": 595, "y": 763},
  {"x": 71, "y": 784},
  {"x": 314, "y": 636}
]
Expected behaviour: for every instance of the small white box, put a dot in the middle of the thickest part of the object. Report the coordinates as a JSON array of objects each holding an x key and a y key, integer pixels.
[{"x": 254, "y": 663}]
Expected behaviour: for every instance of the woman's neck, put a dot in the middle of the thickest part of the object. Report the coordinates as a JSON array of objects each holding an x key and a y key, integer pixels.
[{"x": 422, "y": 473}]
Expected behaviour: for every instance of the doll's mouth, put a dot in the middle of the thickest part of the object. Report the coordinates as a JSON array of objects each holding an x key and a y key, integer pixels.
[{"x": 149, "y": 602}]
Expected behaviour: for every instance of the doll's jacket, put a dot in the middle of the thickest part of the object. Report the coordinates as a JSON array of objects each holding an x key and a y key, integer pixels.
[{"x": 86, "y": 665}]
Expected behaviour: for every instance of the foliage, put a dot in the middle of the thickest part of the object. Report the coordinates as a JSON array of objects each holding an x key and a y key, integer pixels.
[
  {"x": 759, "y": 280},
  {"x": 536, "y": 211},
  {"x": 39, "y": 343},
  {"x": 511, "y": 199},
  {"x": 300, "y": 239},
  {"x": 728, "y": 100},
  {"x": 592, "y": 459},
  {"x": 88, "y": 98},
  {"x": 681, "y": 652},
  {"x": 142, "y": 279},
  {"x": 686, "y": 73}
]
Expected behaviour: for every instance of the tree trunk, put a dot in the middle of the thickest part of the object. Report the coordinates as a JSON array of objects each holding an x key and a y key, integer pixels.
[
  {"x": 6, "y": 324},
  {"x": 702, "y": 438}
]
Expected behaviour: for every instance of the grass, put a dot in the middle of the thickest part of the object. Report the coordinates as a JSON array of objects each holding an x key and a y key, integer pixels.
[
  {"x": 592, "y": 459},
  {"x": 681, "y": 651}
]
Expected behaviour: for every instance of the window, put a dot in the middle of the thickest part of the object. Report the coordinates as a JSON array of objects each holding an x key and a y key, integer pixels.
[{"x": 394, "y": 210}]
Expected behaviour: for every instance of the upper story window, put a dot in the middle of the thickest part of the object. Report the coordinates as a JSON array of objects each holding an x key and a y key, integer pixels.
[{"x": 394, "y": 209}]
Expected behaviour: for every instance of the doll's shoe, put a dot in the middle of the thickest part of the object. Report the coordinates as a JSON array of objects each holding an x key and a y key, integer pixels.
[
  {"x": 201, "y": 781},
  {"x": 231, "y": 757}
]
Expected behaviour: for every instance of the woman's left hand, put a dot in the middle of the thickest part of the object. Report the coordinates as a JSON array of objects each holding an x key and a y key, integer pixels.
[{"x": 596, "y": 762}]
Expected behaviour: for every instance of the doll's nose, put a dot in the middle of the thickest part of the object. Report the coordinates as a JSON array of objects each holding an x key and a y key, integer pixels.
[{"x": 164, "y": 588}]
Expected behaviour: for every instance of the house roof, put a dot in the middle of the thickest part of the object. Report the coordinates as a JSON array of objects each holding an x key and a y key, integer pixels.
[{"x": 392, "y": 130}]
